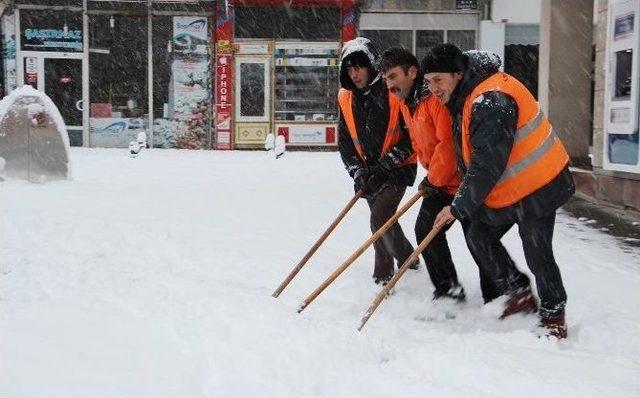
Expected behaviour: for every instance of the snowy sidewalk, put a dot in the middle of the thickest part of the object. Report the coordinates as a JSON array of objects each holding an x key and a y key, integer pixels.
[{"x": 152, "y": 277}]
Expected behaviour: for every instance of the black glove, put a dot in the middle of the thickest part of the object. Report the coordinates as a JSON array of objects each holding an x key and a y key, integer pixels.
[
  {"x": 360, "y": 178},
  {"x": 387, "y": 163},
  {"x": 370, "y": 180},
  {"x": 428, "y": 188}
]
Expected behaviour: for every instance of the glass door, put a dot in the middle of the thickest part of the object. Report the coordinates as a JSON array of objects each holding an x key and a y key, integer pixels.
[
  {"x": 60, "y": 78},
  {"x": 63, "y": 84},
  {"x": 252, "y": 100}
]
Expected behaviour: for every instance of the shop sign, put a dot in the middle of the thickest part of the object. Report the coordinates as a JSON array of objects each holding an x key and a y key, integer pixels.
[
  {"x": 621, "y": 115},
  {"x": 109, "y": 126},
  {"x": 466, "y": 4},
  {"x": 307, "y": 134},
  {"x": 348, "y": 20},
  {"x": 252, "y": 48},
  {"x": 64, "y": 39},
  {"x": 224, "y": 77}
]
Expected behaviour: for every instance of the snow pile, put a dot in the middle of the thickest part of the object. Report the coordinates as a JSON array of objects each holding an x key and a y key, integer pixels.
[
  {"x": 49, "y": 107},
  {"x": 39, "y": 109},
  {"x": 154, "y": 278}
]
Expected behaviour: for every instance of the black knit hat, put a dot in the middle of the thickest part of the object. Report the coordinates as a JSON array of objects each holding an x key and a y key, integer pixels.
[
  {"x": 357, "y": 59},
  {"x": 443, "y": 58}
]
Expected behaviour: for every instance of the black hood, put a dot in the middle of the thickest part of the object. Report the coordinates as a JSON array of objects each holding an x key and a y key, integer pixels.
[
  {"x": 365, "y": 47},
  {"x": 479, "y": 65}
]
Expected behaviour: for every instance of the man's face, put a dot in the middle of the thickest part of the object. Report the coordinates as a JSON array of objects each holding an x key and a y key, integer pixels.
[
  {"x": 399, "y": 82},
  {"x": 442, "y": 84},
  {"x": 359, "y": 75}
]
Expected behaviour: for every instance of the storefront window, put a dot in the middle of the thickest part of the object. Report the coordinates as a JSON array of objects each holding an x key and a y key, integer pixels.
[
  {"x": 306, "y": 82},
  {"x": 464, "y": 39},
  {"x": 384, "y": 39},
  {"x": 182, "y": 73},
  {"x": 118, "y": 79},
  {"x": 425, "y": 39}
]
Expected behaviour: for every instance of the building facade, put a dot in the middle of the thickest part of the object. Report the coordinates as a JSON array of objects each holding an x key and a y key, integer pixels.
[{"x": 191, "y": 73}]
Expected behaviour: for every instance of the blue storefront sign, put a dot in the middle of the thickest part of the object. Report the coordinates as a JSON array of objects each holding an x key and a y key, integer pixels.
[
  {"x": 47, "y": 30},
  {"x": 52, "y": 40}
]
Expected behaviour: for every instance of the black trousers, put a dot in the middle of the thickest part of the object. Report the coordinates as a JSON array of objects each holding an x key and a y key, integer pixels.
[
  {"x": 393, "y": 244},
  {"x": 437, "y": 255},
  {"x": 537, "y": 236}
]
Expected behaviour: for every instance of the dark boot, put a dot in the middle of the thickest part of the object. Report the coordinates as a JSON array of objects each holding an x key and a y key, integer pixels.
[
  {"x": 415, "y": 265},
  {"x": 455, "y": 293},
  {"x": 554, "y": 326},
  {"x": 382, "y": 280},
  {"x": 520, "y": 302}
]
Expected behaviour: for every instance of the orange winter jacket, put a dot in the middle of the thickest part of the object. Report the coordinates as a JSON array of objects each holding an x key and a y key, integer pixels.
[
  {"x": 393, "y": 134},
  {"x": 430, "y": 131},
  {"x": 537, "y": 156}
]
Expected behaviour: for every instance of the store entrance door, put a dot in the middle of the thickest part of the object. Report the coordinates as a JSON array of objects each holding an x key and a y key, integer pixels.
[
  {"x": 252, "y": 100},
  {"x": 61, "y": 79}
]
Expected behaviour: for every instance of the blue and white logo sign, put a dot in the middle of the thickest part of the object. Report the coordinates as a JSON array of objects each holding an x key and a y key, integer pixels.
[{"x": 108, "y": 126}]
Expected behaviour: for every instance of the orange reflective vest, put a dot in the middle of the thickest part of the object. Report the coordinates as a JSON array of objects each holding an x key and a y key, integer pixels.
[
  {"x": 394, "y": 130},
  {"x": 537, "y": 156},
  {"x": 430, "y": 130}
]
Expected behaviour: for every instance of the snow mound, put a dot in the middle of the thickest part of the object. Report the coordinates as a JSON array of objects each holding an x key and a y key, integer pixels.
[{"x": 33, "y": 136}]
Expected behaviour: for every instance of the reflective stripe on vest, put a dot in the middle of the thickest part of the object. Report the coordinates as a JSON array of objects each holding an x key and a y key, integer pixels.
[
  {"x": 393, "y": 134},
  {"x": 537, "y": 156}
]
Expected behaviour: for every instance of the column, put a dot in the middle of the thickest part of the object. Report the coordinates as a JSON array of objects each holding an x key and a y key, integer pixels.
[{"x": 564, "y": 84}]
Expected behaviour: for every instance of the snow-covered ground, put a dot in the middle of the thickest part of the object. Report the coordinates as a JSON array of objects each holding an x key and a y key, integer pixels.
[{"x": 152, "y": 277}]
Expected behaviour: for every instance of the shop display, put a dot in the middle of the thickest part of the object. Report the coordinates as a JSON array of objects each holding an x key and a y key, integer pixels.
[{"x": 306, "y": 82}]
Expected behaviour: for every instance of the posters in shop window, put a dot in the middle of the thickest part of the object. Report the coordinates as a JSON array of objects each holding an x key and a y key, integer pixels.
[
  {"x": 190, "y": 89},
  {"x": 9, "y": 52},
  {"x": 190, "y": 36}
]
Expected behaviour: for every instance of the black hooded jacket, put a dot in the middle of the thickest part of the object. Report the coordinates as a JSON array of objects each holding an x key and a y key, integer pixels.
[
  {"x": 371, "y": 115},
  {"x": 492, "y": 134}
]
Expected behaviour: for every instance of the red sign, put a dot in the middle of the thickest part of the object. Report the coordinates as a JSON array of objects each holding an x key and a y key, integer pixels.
[
  {"x": 224, "y": 76},
  {"x": 348, "y": 13},
  {"x": 224, "y": 100},
  {"x": 330, "y": 135}
]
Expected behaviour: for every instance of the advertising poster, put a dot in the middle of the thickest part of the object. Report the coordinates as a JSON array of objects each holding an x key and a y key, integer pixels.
[
  {"x": 189, "y": 107},
  {"x": 224, "y": 76},
  {"x": 31, "y": 71},
  {"x": 9, "y": 52},
  {"x": 115, "y": 132},
  {"x": 190, "y": 36}
]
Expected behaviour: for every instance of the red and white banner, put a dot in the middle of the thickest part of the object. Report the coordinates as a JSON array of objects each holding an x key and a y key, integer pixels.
[{"x": 224, "y": 76}]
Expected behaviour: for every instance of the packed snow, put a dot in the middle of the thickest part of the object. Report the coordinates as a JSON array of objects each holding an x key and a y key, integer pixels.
[{"x": 152, "y": 277}]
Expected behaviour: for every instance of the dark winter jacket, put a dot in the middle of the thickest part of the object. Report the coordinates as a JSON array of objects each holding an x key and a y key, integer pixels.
[
  {"x": 492, "y": 133},
  {"x": 371, "y": 113}
]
